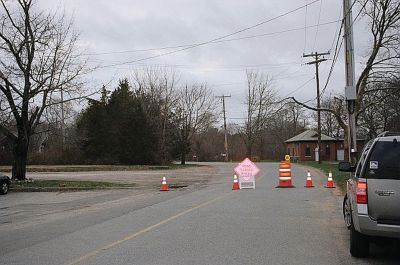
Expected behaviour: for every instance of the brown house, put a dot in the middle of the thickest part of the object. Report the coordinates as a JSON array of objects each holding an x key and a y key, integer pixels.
[{"x": 303, "y": 147}]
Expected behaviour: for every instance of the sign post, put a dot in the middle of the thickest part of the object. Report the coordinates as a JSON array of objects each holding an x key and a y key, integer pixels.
[{"x": 247, "y": 171}]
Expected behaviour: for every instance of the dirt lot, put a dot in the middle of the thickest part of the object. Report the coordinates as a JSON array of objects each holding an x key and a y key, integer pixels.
[
  {"x": 19, "y": 210},
  {"x": 144, "y": 179}
]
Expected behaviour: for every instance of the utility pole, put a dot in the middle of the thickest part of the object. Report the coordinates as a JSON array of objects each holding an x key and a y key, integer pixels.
[
  {"x": 226, "y": 134},
  {"x": 350, "y": 88},
  {"x": 317, "y": 61},
  {"x": 62, "y": 123}
]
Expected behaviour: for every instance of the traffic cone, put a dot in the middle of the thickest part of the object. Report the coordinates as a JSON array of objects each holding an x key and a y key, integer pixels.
[
  {"x": 329, "y": 183},
  {"x": 235, "y": 185},
  {"x": 164, "y": 186},
  {"x": 285, "y": 175},
  {"x": 309, "y": 183}
]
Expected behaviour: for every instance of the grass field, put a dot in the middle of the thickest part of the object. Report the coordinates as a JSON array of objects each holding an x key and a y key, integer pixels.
[
  {"x": 78, "y": 168},
  {"x": 59, "y": 185},
  {"x": 339, "y": 177}
]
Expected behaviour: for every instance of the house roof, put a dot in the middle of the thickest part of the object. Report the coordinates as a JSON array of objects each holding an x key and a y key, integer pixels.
[{"x": 309, "y": 136}]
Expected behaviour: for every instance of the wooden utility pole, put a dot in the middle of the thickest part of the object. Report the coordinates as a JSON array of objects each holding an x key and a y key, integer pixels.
[
  {"x": 317, "y": 60},
  {"x": 62, "y": 124},
  {"x": 350, "y": 88},
  {"x": 226, "y": 134}
]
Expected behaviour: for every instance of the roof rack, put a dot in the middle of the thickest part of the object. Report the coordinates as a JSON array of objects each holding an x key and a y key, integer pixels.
[{"x": 387, "y": 133}]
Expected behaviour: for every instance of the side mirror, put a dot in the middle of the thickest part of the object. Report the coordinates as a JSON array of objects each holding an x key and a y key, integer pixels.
[{"x": 346, "y": 167}]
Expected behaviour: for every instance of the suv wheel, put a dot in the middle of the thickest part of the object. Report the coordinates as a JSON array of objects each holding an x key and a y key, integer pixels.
[
  {"x": 359, "y": 244},
  {"x": 4, "y": 187},
  {"x": 347, "y": 212}
]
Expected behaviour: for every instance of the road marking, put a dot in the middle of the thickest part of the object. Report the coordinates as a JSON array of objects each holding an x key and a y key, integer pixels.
[{"x": 147, "y": 229}]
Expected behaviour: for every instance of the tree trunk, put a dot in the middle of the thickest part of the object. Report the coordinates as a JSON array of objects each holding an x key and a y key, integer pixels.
[
  {"x": 183, "y": 153},
  {"x": 248, "y": 153},
  {"x": 346, "y": 145},
  {"x": 20, "y": 159},
  {"x": 183, "y": 158}
]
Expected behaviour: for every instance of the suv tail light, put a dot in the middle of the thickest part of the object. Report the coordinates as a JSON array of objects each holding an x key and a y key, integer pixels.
[{"x": 361, "y": 191}]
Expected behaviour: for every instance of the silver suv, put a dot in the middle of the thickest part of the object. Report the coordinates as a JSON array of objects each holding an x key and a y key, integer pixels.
[{"x": 371, "y": 207}]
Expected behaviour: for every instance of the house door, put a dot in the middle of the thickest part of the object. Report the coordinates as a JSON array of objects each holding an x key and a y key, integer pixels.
[{"x": 328, "y": 152}]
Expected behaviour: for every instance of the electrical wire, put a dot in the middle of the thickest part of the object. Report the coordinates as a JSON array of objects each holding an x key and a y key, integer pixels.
[
  {"x": 234, "y": 39},
  {"x": 220, "y": 41},
  {"x": 212, "y": 40},
  {"x": 300, "y": 87},
  {"x": 305, "y": 30},
  {"x": 319, "y": 18},
  {"x": 339, "y": 46}
]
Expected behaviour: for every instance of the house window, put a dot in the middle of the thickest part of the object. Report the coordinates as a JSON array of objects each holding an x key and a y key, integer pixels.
[{"x": 308, "y": 151}]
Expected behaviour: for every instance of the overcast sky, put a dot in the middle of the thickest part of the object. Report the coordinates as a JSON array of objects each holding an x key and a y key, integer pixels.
[{"x": 130, "y": 25}]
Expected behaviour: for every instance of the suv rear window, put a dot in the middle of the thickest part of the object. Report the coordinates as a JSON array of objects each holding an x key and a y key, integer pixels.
[{"x": 384, "y": 162}]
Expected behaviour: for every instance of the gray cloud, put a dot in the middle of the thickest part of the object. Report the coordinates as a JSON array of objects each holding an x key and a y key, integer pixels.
[{"x": 121, "y": 25}]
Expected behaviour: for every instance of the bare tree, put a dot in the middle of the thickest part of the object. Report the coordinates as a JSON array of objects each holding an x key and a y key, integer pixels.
[
  {"x": 329, "y": 123},
  {"x": 157, "y": 85},
  {"x": 284, "y": 124},
  {"x": 382, "y": 62},
  {"x": 38, "y": 63},
  {"x": 194, "y": 113},
  {"x": 260, "y": 100},
  {"x": 381, "y": 108}
]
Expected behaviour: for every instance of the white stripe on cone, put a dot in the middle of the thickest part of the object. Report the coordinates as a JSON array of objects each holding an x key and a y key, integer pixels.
[{"x": 235, "y": 179}]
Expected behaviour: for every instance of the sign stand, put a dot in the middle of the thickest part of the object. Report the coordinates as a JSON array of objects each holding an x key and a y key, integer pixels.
[
  {"x": 247, "y": 183},
  {"x": 247, "y": 171}
]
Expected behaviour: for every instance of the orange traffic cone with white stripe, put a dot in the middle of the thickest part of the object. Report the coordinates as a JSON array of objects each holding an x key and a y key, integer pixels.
[
  {"x": 235, "y": 185},
  {"x": 164, "y": 186},
  {"x": 309, "y": 183},
  {"x": 329, "y": 183}
]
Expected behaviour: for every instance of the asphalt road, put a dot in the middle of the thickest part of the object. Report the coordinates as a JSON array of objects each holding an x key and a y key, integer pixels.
[{"x": 208, "y": 224}]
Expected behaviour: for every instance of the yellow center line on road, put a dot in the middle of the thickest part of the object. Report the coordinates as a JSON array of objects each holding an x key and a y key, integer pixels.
[{"x": 147, "y": 229}]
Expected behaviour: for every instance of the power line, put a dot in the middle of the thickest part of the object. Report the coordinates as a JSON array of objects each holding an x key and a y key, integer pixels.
[
  {"x": 338, "y": 27},
  {"x": 337, "y": 49},
  {"x": 305, "y": 30},
  {"x": 301, "y": 86},
  {"x": 222, "y": 66},
  {"x": 220, "y": 41},
  {"x": 335, "y": 56},
  {"x": 210, "y": 69},
  {"x": 212, "y": 40},
  {"x": 319, "y": 18}
]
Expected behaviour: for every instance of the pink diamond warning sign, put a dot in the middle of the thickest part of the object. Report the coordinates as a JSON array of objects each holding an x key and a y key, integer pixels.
[
  {"x": 247, "y": 171},
  {"x": 247, "y": 168}
]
